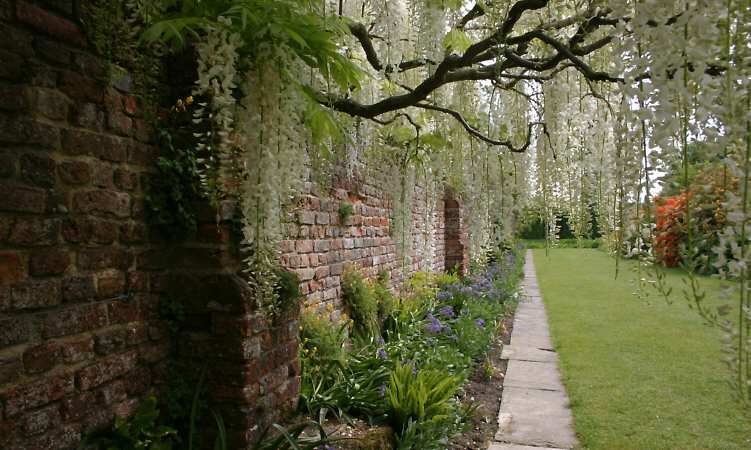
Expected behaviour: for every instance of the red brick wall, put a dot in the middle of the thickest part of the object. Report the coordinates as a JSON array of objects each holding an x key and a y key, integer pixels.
[
  {"x": 318, "y": 246},
  {"x": 81, "y": 276},
  {"x": 79, "y": 338},
  {"x": 457, "y": 245}
]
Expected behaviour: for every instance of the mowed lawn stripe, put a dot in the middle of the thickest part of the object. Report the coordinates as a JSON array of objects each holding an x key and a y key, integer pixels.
[{"x": 640, "y": 374}]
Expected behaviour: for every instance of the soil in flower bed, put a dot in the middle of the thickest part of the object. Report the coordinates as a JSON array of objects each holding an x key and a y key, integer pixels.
[{"x": 485, "y": 393}]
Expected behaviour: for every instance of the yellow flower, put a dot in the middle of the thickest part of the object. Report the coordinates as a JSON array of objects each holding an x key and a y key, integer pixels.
[{"x": 189, "y": 100}]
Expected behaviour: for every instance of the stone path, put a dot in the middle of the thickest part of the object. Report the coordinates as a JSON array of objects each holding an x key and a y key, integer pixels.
[{"x": 534, "y": 412}]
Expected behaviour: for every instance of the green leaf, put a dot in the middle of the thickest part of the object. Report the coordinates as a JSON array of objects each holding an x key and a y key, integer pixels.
[
  {"x": 433, "y": 140},
  {"x": 456, "y": 40},
  {"x": 402, "y": 135}
]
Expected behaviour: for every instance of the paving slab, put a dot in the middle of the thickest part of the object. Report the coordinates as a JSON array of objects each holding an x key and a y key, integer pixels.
[
  {"x": 534, "y": 412},
  {"x": 536, "y": 418},
  {"x": 530, "y": 316},
  {"x": 522, "y": 353},
  {"x": 533, "y": 375},
  {"x": 503, "y": 446},
  {"x": 539, "y": 341}
]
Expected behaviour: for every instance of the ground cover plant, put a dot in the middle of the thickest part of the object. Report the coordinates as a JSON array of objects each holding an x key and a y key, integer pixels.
[
  {"x": 408, "y": 371},
  {"x": 640, "y": 374}
]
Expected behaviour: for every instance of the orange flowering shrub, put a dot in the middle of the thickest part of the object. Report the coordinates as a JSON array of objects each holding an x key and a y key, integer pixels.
[{"x": 670, "y": 230}]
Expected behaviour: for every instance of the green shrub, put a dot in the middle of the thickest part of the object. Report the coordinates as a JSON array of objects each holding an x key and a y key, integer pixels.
[
  {"x": 345, "y": 212},
  {"x": 446, "y": 279},
  {"x": 361, "y": 302},
  {"x": 419, "y": 396},
  {"x": 288, "y": 288},
  {"x": 356, "y": 387},
  {"x": 474, "y": 330},
  {"x": 384, "y": 298},
  {"x": 322, "y": 339},
  {"x": 423, "y": 285}
]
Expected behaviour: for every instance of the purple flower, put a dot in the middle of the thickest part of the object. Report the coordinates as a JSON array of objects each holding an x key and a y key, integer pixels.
[
  {"x": 380, "y": 341},
  {"x": 381, "y": 354},
  {"x": 466, "y": 290},
  {"x": 434, "y": 326},
  {"x": 414, "y": 370},
  {"x": 443, "y": 296},
  {"x": 480, "y": 323},
  {"x": 446, "y": 311}
]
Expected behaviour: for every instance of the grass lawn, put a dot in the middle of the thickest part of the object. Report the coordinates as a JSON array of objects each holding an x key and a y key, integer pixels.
[{"x": 640, "y": 374}]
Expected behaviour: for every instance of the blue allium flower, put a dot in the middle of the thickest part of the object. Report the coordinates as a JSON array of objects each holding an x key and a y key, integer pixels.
[
  {"x": 443, "y": 296},
  {"x": 466, "y": 290},
  {"x": 380, "y": 340},
  {"x": 434, "y": 328},
  {"x": 446, "y": 311},
  {"x": 480, "y": 323},
  {"x": 381, "y": 354},
  {"x": 434, "y": 325},
  {"x": 414, "y": 370}
]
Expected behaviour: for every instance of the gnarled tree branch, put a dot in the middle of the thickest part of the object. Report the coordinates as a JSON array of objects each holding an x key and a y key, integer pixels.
[
  {"x": 506, "y": 51},
  {"x": 478, "y": 134}
]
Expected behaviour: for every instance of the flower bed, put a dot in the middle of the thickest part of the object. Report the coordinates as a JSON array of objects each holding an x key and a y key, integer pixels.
[
  {"x": 409, "y": 373},
  {"x": 395, "y": 374}
]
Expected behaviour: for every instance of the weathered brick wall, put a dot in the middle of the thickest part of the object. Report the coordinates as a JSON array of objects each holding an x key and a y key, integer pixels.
[
  {"x": 251, "y": 370},
  {"x": 457, "y": 245},
  {"x": 318, "y": 247},
  {"x": 79, "y": 338},
  {"x": 81, "y": 277}
]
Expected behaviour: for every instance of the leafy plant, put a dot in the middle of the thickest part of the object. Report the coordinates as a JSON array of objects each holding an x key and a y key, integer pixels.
[
  {"x": 174, "y": 190},
  {"x": 322, "y": 339},
  {"x": 290, "y": 438},
  {"x": 361, "y": 301},
  {"x": 384, "y": 297},
  {"x": 288, "y": 288},
  {"x": 130, "y": 65},
  {"x": 354, "y": 387},
  {"x": 420, "y": 396},
  {"x": 345, "y": 212},
  {"x": 182, "y": 402},
  {"x": 297, "y": 28},
  {"x": 142, "y": 431}
]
